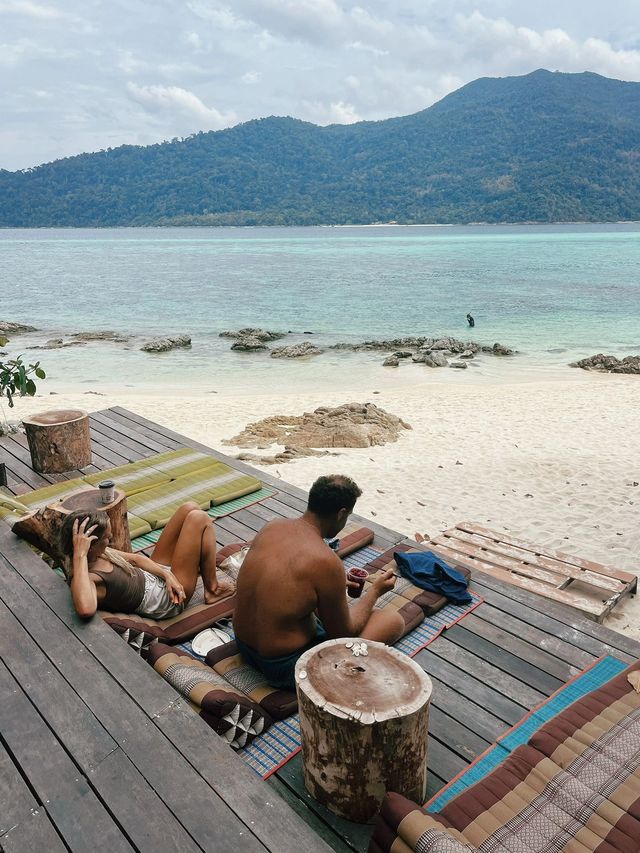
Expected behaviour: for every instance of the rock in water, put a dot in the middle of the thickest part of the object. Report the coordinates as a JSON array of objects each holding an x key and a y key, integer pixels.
[
  {"x": 166, "y": 344},
  {"x": 296, "y": 351},
  {"x": 15, "y": 328},
  {"x": 261, "y": 334},
  {"x": 462, "y": 365},
  {"x": 391, "y": 361},
  {"x": 116, "y": 337},
  {"x": 248, "y": 344},
  {"x": 498, "y": 349},
  {"x": 349, "y": 425}
]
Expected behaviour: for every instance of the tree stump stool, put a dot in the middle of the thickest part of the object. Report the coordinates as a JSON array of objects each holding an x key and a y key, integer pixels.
[
  {"x": 89, "y": 500},
  {"x": 364, "y": 722},
  {"x": 42, "y": 527},
  {"x": 59, "y": 441}
]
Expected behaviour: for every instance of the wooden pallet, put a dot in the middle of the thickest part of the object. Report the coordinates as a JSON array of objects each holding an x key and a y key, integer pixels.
[{"x": 590, "y": 587}]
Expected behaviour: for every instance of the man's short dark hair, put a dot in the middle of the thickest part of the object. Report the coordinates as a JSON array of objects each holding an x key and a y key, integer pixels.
[{"x": 332, "y": 493}]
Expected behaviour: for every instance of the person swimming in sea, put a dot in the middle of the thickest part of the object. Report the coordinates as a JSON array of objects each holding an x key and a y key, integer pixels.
[{"x": 470, "y": 320}]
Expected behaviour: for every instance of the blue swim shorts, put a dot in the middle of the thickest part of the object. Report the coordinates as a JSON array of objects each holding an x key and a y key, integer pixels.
[{"x": 280, "y": 671}]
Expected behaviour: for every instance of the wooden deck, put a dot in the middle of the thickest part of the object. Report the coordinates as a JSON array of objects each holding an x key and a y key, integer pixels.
[{"x": 97, "y": 751}]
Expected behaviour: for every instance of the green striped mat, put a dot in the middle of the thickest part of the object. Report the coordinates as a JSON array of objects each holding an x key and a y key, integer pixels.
[{"x": 215, "y": 512}]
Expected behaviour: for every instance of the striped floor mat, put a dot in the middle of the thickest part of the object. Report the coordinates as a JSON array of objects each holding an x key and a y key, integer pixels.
[
  {"x": 215, "y": 512},
  {"x": 589, "y": 679}
]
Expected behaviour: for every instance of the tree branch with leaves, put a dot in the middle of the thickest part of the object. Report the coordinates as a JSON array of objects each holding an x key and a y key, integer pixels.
[{"x": 16, "y": 377}]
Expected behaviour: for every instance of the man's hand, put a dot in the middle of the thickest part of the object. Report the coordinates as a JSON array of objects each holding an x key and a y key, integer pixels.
[
  {"x": 174, "y": 588},
  {"x": 383, "y": 582}
]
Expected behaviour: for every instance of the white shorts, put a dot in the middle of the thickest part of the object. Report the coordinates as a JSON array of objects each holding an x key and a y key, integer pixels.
[{"x": 156, "y": 603}]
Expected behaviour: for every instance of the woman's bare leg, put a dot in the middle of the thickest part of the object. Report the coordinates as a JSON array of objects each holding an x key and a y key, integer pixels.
[
  {"x": 194, "y": 553},
  {"x": 166, "y": 544}
]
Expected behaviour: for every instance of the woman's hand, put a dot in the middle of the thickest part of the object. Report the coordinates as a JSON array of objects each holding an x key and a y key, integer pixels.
[
  {"x": 174, "y": 588},
  {"x": 82, "y": 538}
]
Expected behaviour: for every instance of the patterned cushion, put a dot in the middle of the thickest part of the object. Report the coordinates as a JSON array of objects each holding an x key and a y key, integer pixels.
[
  {"x": 226, "y": 661},
  {"x": 141, "y": 633},
  {"x": 49, "y": 494},
  {"x": 230, "y": 713},
  {"x": 352, "y": 538},
  {"x": 429, "y": 602},
  {"x": 575, "y": 785},
  {"x": 132, "y": 478},
  {"x": 210, "y": 486}
]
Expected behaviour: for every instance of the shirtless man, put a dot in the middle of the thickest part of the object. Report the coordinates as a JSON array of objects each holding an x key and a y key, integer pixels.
[{"x": 290, "y": 573}]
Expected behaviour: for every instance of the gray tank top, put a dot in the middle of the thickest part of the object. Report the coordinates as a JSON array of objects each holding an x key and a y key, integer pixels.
[{"x": 124, "y": 585}]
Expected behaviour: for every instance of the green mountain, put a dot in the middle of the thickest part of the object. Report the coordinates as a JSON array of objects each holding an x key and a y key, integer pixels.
[{"x": 543, "y": 147}]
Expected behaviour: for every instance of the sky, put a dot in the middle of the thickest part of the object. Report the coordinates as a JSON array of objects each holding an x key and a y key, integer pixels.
[{"x": 83, "y": 75}]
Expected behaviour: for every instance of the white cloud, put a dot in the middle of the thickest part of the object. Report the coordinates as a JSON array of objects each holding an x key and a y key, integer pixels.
[
  {"x": 505, "y": 46},
  {"x": 31, "y": 10},
  {"x": 251, "y": 77},
  {"x": 337, "y": 112},
  {"x": 175, "y": 100}
]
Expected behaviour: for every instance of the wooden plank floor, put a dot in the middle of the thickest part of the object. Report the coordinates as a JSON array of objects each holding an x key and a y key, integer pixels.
[{"x": 93, "y": 743}]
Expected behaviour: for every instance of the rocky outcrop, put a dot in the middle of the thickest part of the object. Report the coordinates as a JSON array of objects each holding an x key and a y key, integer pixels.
[
  {"x": 429, "y": 358},
  {"x": 261, "y": 334},
  {"x": 58, "y": 343},
  {"x": 166, "y": 344},
  {"x": 403, "y": 353},
  {"x": 287, "y": 455},
  {"x": 498, "y": 349},
  {"x": 296, "y": 351},
  {"x": 249, "y": 344},
  {"x": 116, "y": 337},
  {"x": 349, "y": 425},
  {"x": 466, "y": 354},
  {"x": 391, "y": 361},
  {"x": 609, "y": 363},
  {"x": 15, "y": 328},
  {"x": 3, "y": 341},
  {"x": 461, "y": 365}
]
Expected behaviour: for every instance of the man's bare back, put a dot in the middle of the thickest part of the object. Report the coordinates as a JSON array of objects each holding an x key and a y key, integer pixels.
[
  {"x": 277, "y": 589},
  {"x": 290, "y": 578}
]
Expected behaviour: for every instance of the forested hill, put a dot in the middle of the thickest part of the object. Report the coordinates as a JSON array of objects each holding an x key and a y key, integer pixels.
[{"x": 543, "y": 147}]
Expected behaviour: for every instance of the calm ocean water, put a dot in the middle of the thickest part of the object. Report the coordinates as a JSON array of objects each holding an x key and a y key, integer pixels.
[{"x": 574, "y": 288}]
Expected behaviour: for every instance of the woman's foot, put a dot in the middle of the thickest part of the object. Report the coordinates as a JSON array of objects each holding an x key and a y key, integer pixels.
[
  {"x": 419, "y": 537},
  {"x": 222, "y": 589}
]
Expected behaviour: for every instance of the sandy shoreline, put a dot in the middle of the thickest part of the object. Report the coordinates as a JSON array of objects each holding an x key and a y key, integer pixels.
[{"x": 557, "y": 463}]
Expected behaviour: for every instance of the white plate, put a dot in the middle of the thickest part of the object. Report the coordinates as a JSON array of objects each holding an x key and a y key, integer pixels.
[{"x": 209, "y": 639}]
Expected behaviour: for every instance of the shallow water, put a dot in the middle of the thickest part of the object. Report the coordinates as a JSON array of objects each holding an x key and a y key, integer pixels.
[{"x": 552, "y": 292}]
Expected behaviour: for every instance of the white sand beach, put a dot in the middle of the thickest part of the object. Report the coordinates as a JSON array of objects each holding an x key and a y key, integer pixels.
[{"x": 554, "y": 462}]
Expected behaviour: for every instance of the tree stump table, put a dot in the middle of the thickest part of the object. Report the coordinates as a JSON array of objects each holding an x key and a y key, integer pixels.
[
  {"x": 42, "y": 527},
  {"x": 364, "y": 721},
  {"x": 59, "y": 440}
]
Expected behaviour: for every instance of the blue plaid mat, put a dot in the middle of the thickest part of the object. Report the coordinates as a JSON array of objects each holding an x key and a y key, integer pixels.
[{"x": 592, "y": 678}]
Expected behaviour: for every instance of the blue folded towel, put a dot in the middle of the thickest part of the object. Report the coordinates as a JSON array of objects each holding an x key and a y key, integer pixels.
[{"x": 429, "y": 572}]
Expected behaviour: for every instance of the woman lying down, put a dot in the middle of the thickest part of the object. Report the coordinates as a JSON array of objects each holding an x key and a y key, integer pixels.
[{"x": 102, "y": 578}]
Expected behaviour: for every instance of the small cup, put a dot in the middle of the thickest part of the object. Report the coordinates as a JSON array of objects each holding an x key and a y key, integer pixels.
[
  {"x": 107, "y": 491},
  {"x": 358, "y": 576}
]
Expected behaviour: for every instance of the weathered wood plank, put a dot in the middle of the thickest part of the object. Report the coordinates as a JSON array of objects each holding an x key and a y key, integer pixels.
[
  {"x": 527, "y": 563},
  {"x": 504, "y": 659},
  {"x": 557, "y": 619},
  {"x": 159, "y": 760},
  {"x": 75, "y": 810},
  {"x": 34, "y": 832},
  {"x": 555, "y": 556},
  {"x": 477, "y": 563}
]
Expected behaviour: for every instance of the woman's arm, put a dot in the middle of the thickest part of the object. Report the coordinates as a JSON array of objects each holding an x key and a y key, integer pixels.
[
  {"x": 174, "y": 587},
  {"x": 83, "y": 590}
]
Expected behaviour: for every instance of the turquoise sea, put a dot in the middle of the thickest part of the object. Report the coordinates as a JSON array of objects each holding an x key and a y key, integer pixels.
[{"x": 553, "y": 292}]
